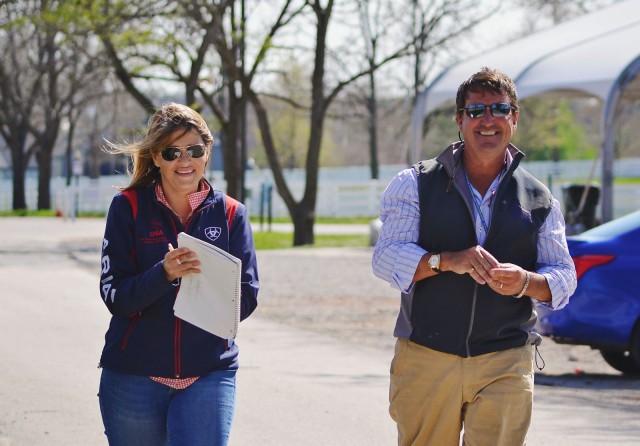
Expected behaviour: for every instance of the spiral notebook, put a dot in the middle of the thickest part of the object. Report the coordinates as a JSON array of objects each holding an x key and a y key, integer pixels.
[{"x": 211, "y": 299}]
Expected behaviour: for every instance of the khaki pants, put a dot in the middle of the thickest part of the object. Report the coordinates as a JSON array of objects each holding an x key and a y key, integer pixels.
[{"x": 434, "y": 395}]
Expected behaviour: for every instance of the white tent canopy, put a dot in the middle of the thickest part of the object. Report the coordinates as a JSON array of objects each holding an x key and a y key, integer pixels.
[{"x": 597, "y": 54}]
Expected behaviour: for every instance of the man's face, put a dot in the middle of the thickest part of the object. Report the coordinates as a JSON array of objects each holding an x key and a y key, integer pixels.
[{"x": 487, "y": 134}]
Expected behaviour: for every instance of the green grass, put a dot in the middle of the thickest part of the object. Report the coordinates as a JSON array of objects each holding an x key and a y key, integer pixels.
[
  {"x": 323, "y": 220},
  {"x": 28, "y": 213},
  {"x": 623, "y": 180},
  {"x": 618, "y": 180},
  {"x": 47, "y": 213},
  {"x": 263, "y": 240},
  {"x": 282, "y": 240}
]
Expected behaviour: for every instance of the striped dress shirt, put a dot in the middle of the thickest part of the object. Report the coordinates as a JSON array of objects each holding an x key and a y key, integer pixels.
[{"x": 397, "y": 253}]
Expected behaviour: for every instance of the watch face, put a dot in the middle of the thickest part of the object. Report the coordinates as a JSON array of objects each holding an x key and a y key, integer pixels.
[{"x": 434, "y": 260}]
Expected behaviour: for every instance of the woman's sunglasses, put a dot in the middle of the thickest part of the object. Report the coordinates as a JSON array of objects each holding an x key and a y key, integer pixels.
[
  {"x": 499, "y": 110},
  {"x": 173, "y": 153}
]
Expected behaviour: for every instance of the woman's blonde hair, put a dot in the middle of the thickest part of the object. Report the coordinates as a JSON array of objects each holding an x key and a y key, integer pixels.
[{"x": 162, "y": 125}]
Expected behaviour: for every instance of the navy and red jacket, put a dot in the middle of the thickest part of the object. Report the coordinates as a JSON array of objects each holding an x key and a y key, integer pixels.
[{"x": 144, "y": 336}]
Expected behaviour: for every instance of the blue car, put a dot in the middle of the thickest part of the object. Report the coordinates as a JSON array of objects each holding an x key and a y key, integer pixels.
[{"x": 604, "y": 312}]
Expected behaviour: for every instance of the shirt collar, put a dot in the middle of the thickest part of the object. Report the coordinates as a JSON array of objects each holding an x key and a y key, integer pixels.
[{"x": 195, "y": 199}]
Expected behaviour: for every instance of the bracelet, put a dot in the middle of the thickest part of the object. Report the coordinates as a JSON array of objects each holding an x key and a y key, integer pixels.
[{"x": 524, "y": 288}]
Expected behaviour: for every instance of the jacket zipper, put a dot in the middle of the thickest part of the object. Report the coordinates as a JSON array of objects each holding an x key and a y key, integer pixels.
[
  {"x": 177, "y": 328},
  {"x": 475, "y": 288},
  {"x": 452, "y": 175},
  {"x": 177, "y": 331},
  {"x": 493, "y": 198},
  {"x": 176, "y": 341},
  {"x": 472, "y": 319}
]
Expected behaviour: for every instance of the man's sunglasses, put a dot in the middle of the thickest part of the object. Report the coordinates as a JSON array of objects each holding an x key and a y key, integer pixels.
[
  {"x": 173, "y": 153},
  {"x": 499, "y": 110}
]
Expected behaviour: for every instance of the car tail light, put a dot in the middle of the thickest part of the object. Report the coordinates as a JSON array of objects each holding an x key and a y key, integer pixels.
[{"x": 585, "y": 263}]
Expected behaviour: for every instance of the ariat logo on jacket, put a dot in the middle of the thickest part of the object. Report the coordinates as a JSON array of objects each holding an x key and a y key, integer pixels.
[{"x": 212, "y": 232}]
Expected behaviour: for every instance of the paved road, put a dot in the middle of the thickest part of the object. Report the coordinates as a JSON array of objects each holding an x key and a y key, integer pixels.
[{"x": 295, "y": 386}]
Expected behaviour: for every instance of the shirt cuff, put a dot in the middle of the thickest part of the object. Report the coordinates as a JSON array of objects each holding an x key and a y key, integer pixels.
[
  {"x": 405, "y": 267},
  {"x": 559, "y": 291}
]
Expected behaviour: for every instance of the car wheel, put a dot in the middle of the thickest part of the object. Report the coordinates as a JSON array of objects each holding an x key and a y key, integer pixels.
[{"x": 621, "y": 361}]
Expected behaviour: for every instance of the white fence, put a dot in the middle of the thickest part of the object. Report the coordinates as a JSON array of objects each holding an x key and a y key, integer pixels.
[{"x": 342, "y": 192}]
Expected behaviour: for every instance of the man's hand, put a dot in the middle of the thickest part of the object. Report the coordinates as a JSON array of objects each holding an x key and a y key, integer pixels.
[
  {"x": 475, "y": 261},
  {"x": 508, "y": 279}
]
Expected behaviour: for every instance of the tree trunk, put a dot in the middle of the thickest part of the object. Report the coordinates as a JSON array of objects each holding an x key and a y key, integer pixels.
[
  {"x": 231, "y": 147},
  {"x": 19, "y": 162},
  {"x": 19, "y": 197},
  {"x": 372, "y": 106},
  {"x": 303, "y": 219},
  {"x": 44, "y": 179},
  {"x": 303, "y": 212}
]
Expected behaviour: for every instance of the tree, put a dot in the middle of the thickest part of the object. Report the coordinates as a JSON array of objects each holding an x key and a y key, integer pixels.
[
  {"x": 628, "y": 122},
  {"x": 196, "y": 44},
  {"x": 41, "y": 80},
  {"x": 303, "y": 212},
  {"x": 230, "y": 41},
  {"x": 155, "y": 44},
  {"x": 17, "y": 99},
  {"x": 244, "y": 79},
  {"x": 289, "y": 120},
  {"x": 426, "y": 25},
  {"x": 372, "y": 31},
  {"x": 549, "y": 130},
  {"x": 557, "y": 11},
  {"x": 322, "y": 94}
]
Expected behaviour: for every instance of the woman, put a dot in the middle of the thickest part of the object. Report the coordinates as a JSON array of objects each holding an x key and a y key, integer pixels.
[{"x": 165, "y": 381}]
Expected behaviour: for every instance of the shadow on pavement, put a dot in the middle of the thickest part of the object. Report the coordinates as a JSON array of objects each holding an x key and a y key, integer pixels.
[{"x": 590, "y": 381}]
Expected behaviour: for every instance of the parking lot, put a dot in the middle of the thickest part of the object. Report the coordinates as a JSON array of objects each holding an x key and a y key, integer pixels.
[{"x": 314, "y": 357}]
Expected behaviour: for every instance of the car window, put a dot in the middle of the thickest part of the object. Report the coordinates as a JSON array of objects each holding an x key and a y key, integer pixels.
[{"x": 615, "y": 227}]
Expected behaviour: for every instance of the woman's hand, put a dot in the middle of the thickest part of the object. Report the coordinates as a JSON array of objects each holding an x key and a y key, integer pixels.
[{"x": 179, "y": 263}]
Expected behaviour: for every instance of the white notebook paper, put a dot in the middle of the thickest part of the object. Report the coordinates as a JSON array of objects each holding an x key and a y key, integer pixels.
[{"x": 211, "y": 299}]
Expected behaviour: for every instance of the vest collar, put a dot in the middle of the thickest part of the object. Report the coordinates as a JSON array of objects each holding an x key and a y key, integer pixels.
[{"x": 451, "y": 158}]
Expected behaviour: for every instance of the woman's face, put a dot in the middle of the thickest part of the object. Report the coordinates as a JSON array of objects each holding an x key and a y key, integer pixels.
[{"x": 182, "y": 175}]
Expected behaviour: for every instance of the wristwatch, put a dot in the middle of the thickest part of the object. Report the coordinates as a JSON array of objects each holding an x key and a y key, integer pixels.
[{"x": 434, "y": 262}]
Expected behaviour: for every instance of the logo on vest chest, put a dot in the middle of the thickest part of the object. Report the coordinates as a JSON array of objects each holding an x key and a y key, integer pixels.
[{"x": 212, "y": 232}]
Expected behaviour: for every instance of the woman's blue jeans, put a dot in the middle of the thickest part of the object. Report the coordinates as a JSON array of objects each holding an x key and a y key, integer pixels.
[{"x": 137, "y": 411}]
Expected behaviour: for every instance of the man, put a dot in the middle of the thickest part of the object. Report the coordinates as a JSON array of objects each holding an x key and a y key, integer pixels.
[{"x": 474, "y": 243}]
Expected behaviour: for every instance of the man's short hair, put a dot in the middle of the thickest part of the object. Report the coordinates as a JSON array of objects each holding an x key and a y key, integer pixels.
[{"x": 487, "y": 79}]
